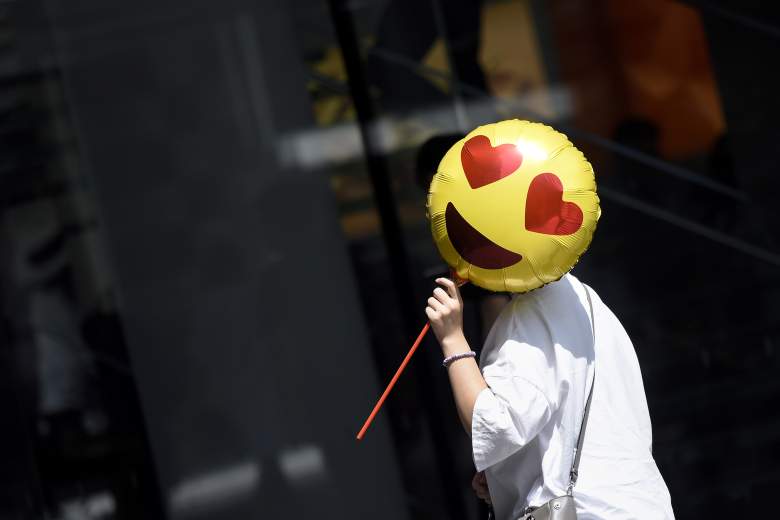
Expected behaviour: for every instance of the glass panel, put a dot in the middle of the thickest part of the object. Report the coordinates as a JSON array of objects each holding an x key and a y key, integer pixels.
[{"x": 654, "y": 94}]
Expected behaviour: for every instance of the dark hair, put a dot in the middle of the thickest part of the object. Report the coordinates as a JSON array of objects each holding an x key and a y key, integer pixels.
[{"x": 429, "y": 156}]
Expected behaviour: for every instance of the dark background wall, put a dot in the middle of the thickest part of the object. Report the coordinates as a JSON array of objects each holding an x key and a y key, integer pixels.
[{"x": 214, "y": 249}]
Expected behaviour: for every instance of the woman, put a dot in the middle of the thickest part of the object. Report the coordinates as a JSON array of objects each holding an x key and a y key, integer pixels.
[{"x": 523, "y": 404}]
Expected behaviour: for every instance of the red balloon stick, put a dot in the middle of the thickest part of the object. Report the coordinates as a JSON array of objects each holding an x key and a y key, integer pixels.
[
  {"x": 390, "y": 386},
  {"x": 423, "y": 332}
]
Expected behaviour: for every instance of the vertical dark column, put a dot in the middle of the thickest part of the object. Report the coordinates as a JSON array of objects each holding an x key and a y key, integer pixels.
[{"x": 396, "y": 250}]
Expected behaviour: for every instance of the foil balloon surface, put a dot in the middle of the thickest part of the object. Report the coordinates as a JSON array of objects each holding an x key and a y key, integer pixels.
[{"x": 513, "y": 206}]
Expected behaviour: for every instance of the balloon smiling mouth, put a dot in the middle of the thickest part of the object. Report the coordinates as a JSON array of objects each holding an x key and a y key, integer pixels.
[{"x": 473, "y": 246}]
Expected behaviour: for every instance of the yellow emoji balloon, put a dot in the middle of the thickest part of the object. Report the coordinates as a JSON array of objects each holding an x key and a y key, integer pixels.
[{"x": 513, "y": 206}]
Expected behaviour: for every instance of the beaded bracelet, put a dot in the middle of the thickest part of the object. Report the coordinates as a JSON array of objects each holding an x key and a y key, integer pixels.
[{"x": 449, "y": 359}]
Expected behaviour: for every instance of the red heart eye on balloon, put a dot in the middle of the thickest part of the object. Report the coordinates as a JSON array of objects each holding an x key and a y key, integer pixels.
[
  {"x": 485, "y": 164},
  {"x": 546, "y": 211}
]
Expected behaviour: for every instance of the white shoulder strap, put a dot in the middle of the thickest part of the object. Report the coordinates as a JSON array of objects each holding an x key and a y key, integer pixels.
[{"x": 578, "y": 449}]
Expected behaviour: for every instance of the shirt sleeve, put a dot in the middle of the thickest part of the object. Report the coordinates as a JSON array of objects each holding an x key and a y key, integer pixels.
[
  {"x": 516, "y": 405},
  {"x": 507, "y": 415}
]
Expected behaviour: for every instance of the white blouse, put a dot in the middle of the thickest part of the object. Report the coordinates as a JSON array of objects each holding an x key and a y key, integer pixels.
[{"x": 538, "y": 364}]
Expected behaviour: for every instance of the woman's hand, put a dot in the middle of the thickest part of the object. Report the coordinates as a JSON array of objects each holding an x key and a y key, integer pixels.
[
  {"x": 445, "y": 312},
  {"x": 479, "y": 483}
]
